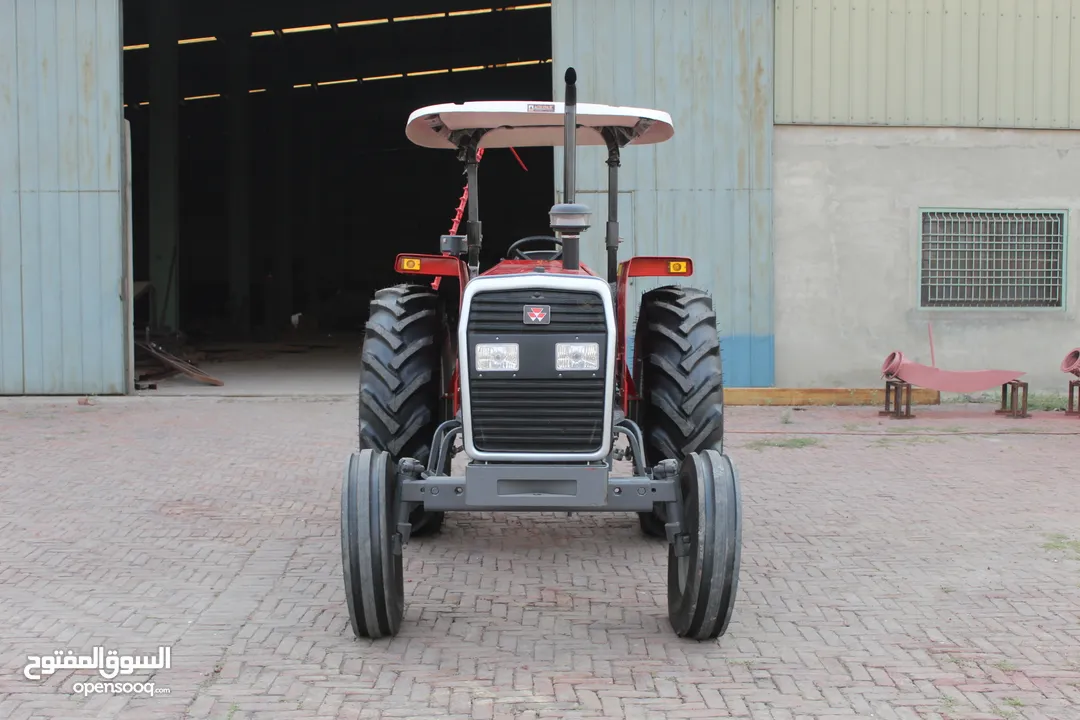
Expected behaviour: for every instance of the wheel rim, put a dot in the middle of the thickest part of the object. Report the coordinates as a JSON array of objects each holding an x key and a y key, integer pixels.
[
  {"x": 688, "y": 486},
  {"x": 393, "y": 570},
  {"x": 683, "y": 565}
]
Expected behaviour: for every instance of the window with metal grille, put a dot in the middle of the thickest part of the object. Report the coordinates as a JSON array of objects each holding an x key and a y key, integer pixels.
[{"x": 992, "y": 258}]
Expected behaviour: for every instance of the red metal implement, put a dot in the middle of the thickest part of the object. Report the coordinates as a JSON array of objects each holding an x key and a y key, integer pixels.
[
  {"x": 1071, "y": 363},
  {"x": 957, "y": 381}
]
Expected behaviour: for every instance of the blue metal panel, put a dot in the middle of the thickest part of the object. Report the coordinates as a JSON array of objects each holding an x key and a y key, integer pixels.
[
  {"x": 706, "y": 193},
  {"x": 61, "y": 229},
  {"x": 11, "y": 354}
]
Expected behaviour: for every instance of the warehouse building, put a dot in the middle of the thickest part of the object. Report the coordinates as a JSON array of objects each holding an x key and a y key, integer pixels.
[
  {"x": 927, "y": 167},
  {"x": 847, "y": 175}
]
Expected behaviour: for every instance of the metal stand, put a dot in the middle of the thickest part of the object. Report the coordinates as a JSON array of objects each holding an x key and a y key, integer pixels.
[
  {"x": 1074, "y": 404},
  {"x": 1009, "y": 393},
  {"x": 897, "y": 394}
]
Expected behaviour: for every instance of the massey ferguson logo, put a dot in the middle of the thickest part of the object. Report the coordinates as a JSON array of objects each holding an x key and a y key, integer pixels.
[{"x": 537, "y": 314}]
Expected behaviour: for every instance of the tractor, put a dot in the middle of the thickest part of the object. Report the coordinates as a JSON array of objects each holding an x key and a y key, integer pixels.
[{"x": 528, "y": 368}]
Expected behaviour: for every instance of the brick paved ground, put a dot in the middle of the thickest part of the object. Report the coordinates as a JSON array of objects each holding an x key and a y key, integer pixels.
[{"x": 914, "y": 572}]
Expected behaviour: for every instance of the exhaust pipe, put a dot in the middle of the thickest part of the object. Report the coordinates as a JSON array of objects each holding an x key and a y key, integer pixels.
[
  {"x": 570, "y": 136},
  {"x": 571, "y": 249},
  {"x": 568, "y": 219}
]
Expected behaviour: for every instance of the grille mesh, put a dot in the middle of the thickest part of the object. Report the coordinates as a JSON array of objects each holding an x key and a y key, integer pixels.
[{"x": 518, "y": 415}]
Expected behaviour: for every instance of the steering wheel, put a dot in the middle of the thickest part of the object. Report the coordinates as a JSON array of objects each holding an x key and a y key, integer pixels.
[{"x": 514, "y": 252}]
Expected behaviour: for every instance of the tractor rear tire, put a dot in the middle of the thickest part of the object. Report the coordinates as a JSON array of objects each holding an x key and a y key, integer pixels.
[
  {"x": 680, "y": 380},
  {"x": 400, "y": 381}
]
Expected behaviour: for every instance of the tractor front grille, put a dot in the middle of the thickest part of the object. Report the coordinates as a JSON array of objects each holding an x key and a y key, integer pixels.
[
  {"x": 537, "y": 416},
  {"x": 531, "y": 414}
]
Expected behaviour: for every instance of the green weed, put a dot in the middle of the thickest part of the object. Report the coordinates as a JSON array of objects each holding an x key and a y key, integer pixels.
[{"x": 1057, "y": 541}]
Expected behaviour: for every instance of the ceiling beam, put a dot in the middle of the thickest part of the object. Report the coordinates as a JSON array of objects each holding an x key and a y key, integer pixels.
[
  {"x": 308, "y": 58},
  {"x": 205, "y": 18},
  {"x": 350, "y": 104}
]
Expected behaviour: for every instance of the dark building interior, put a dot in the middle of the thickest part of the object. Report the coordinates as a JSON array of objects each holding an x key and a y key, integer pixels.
[{"x": 271, "y": 174}]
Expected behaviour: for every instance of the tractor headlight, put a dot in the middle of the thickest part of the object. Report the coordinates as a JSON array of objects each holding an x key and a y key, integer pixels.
[
  {"x": 497, "y": 357},
  {"x": 577, "y": 356}
]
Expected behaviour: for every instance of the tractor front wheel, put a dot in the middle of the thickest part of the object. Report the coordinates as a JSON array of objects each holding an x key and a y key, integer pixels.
[
  {"x": 374, "y": 585},
  {"x": 703, "y": 562},
  {"x": 401, "y": 371},
  {"x": 679, "y": 379}
]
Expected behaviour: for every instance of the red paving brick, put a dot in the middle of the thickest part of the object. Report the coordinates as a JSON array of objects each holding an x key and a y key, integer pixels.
[{"x": 891, "y": 569}]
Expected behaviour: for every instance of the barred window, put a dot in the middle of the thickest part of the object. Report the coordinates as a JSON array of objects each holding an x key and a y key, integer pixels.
[{"x": 992, "y": 259}]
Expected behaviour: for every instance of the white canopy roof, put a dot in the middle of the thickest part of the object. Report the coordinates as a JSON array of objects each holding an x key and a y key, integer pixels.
[{"x": 519, "y": 123}]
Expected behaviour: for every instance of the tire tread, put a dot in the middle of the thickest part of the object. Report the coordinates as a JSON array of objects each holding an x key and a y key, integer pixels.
[
  {"x": 400, "y": 379},
  {"x": 682, "y": 408},
  {"x": 682, "y": 372}
]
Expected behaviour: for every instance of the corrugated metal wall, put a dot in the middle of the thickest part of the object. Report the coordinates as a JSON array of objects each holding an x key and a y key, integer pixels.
[
  {"x": 958, "y": 63},
  {"x": 707, "y": 192},
  {"x": 61, "y": 170}
]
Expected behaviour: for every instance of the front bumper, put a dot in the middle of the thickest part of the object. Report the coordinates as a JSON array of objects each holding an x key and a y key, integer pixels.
[{"x": 558, "y": 488}]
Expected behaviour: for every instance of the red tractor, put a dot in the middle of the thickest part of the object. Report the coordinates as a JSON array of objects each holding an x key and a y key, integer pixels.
[{"x": 528, "y": 368}]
